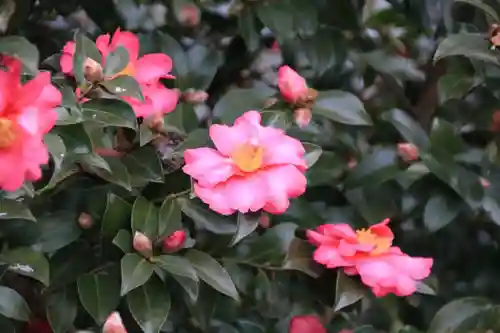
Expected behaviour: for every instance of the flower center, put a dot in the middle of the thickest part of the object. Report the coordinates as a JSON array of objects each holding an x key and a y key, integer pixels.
[
  {"x": 248, "y": 157},
  {"x": 7, "y": 135},
  {"x": 380, "y": 244},
  {"x": 129, "y": 70}
]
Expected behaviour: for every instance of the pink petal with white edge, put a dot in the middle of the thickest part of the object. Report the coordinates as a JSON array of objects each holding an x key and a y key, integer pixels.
[
  {"x": 152, "y": 67},
  {"x": 283, "y": 182},
  {"x": 214, "y": 198},
  {"x": 66, "y": 60},
  {"x": 246, "y": 194},
  {"x": 330, "y": 257},
  {"x": 280, "y": 148},
  {"x": 207, "y": 166},
  {"x": 164, "y": 100}
]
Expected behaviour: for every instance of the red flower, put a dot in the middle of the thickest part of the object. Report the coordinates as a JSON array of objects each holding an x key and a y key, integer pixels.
[
  {"x": 306, "y": 324},
  {"x": 175, "y": 241}
]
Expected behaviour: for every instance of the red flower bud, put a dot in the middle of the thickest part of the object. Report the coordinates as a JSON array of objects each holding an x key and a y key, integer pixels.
[
  {"x": 175, "y": 241},
  {"x": 351, "y": 163},
  {"x": 485, "y": 182},
  {"x": 143, "y": 244},
  {"x": 114, "y": 324},
  {"x": 189, "y": 15},
  {"x": 306, "y": 324},
  {"x": 85, "y": 221},
  {"x": 408, "y": 152},
  {"x": 265, "y": 221},
  {"x": 293, "y": 87},
  {"x": 302, "y": 117},
  {"x": 37, "y": 326}
]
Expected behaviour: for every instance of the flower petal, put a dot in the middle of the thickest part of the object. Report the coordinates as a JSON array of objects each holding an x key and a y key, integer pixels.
[
  {"x": 207, "y": 166},
  {"x": 152, "y": 67},
  {"x": 283, "y": 182}
]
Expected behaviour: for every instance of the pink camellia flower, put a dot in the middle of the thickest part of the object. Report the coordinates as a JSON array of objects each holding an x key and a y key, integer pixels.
[
  {"x": 146, "y": 70},
  {"x": 369, "y": 252},
  {"x": 142, "y": 244},
  {"x": 114, "y": 324},
  {"x": 252, "y": 168},
  {"x": 175, "y": 241},
  {"x": 408, "y": 151},
  {"x": 306, "y": 324},
  {"x": 293, "y": 87},
  {"x": 26, "y": 115}
]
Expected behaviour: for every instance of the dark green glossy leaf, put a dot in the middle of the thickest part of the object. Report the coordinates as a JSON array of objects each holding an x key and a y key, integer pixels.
[
  {"x": 205, "y": 219},
  {"x": 13, "y": 209},
  {"x": 123, "y": 240},
  {"x": 24, "y": 261},
  {"x": 376, "y": 168},
  {"x": 116, "y": 215},
  {"x": 408, "y": 127},
  {"x": 143, "y": 166},
  {"x": 347, "y": 292},
  {"x": 136, "y": 271},
  {"x": 117, "y": 173},
  {"x": 61, "y": 311},
  {"x": 313, "y": 153},
  {"x": 247, "y": 223},
  {"x": 170, "y": 217},
  {"x": 12, "y": 305},
  {"x": 342, "y": 107},
  {"x": 109, "y": 112},
  {"x": 439, "y": 212},
  {"x": 56, "y": 231},
  {"x": 145, "y": 217},
  {"x": 21, "y": 48},
  {"x": 124, "y": 85},
  {"x": 116, "y": 61},
  {"x": 248, "y": 29},
  {"x": 470, "y": 45}
]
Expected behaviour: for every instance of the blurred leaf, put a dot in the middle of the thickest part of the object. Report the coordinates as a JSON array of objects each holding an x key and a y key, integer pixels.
[
  {"x": 408, "y": 127},
  {"x": 445, "y": 140},
  {"x": 176, "y": 265},
  {"x": 247, "y": 223},
  {"x": 237, "y": 101},
  {"x": 169, "y": 217},
  {"x": 149, "y": 305},
  {"x": 278, "y": 17},
  {"x": 276, "y": 119},
  {"x": 99, "y": 294},
  {"x": 470, "y": 45},
  {"x": 313, "y": 153},
  {"x": 455, "y": 86},
  {"x": 116, "y": 61},
  {"x": 24, "y": 261},
  {"x": 171, "y": 47},
  {"x": 123, "y": 240},
  {"x": 342, "y": 107},
  {"x": 84, "y": 48},
  {"x": 56, "y": 231},
  {"x": 401, "y": 68},
  {"x": 116, "y": 215},
  {"x": 124, "y": 85},
  {"x": 13, "y": 209},
  {"x": 20, "y": 48},
  {"x": 347, "y": 292},
  {"x": 210, "y": 271},
  {"x": 203, "y": 63},
  {"x": 145, "y": 217},
  {"x": 205, "y": 219},
  {"x": 375, "y": 168},
  {"x": 488, "y": 10},
  {"x": 61, "y": 311},
  {"x": 136, "y": 271},
  {"x": 439, "y": 212},
  {"x": 196, "y": 139},
  {"x": 248, "y": 29},
  {"x": 109, "y": 112},
  {"x": 12, "y": 305}
]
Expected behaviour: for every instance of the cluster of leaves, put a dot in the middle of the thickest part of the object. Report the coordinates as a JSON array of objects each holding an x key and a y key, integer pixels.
[{"x": 387, "y": 72}]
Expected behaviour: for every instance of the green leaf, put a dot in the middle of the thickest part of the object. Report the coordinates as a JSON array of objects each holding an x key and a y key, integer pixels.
[
  {"x": 26, "y": 262},
  {"x": 342, "y": 107},
  {"x": 124, "y": 85},
  {"x": 171, "y": 47},
  {"x": 455, "y": 86},
  {"x": 375, "y": 168},
  {"x": 203, "y": 63},
  {"x": 145, "y": 217},
  {"x": 99, "y": 294},
  {"x": 463, "y": 315},
  {"x": 238, "y": 101},
  {"x": 439, "y": 211},
  {"x": 57, "y": 150},
  {"x": 116, "y": 215},
  {"x": 109, "y": 112},
  {"x": 12, "y": 209},
  {"x": 397, "y": 67},
  {"x": 75, "y": 137},
  {"x": 117, "y": 173},
  {"x": 409, "y": 129},
  {"x": 248, "y": 29},
  {"x": 176, "y": 265},
  {"x": 12, "y": 305},
  {"x": 488, "y": 10},
  {"x": 116, "y": 61},
  {"x": 170, "y": 217},
  {"x": 347, "y": 292},
  {"x": 136, "y": 271},
  {"x": 470, "y": 45},
  {"x": 445, "y": 140},
  {"x": 56, "y": 231},
  {"x": 143, "y": 166},
  {"x": 61, "y": 311},
  {"x": 299, "y": 258},
  {"x": 123, "y": 240},
  {"x": 149, "y": 305},
  {"x": 20, "y": 48},
  {"x": 210, "y": 271},
  {"x": 195, "y": 139},
  {"x": 84, "y": 48},
  {"x": 276, "y": 119},
  {"x": 205, "y": 219},
  {"x": 278, "y": 17},
  {"x": 247, "y": 223},
  {"x": 313, "y": 153}
]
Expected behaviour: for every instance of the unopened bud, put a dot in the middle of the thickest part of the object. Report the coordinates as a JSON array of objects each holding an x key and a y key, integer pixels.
[
  {"x": 265, "y": 221},
  {"x": 270, "y": 102},
  {"x": 195, "y": 97},
  {"x": 143, "y": 244},
  {"x": 485, "y": 182},
  {"x": 92, "y": 70},
  {"x": 408, "y": 152},
  {"x": 189, "y": 15},
  {"x": 352, "y": 162},
  {"x": 175, "y": 241},
  {"x": 302, "y": 117},
  {"x": 114, "y": 324},
  {"x": 85, "y": 221}
]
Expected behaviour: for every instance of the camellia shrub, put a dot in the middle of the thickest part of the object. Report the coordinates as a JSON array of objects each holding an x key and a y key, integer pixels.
[{"x": 251, "y": 166}]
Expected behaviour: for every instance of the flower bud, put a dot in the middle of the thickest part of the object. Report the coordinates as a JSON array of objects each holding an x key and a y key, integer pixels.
[
  {"x": 114, "y": 324},
  {"x": 302, "y": 117},
  {"x": 195, "y": 97},
  {"x": 408, "y": 152},
  {"x": 495, "y": 123},
  {"x": 306, "y": 324},
  {"x": 85, "y": 221},
  {"x": 37, "y": 326},
  {"x": 265, "y": 221},
  {"x": 143, "y": 244},
  {"x": 352, "y": 162},
  {"x": 156, "y": 122},
  {"x": 484, "y": 182},
  {"x": 175, "y": 241},
  {"x": 270, "y": 102},
  {"x": 292, "y": 86},
  {"x": 92, "y": 70},
  {"x": 189, "y": 15}
]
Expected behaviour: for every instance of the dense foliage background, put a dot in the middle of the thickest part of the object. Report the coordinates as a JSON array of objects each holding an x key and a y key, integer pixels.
[{"x": 387, "y": 72}]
